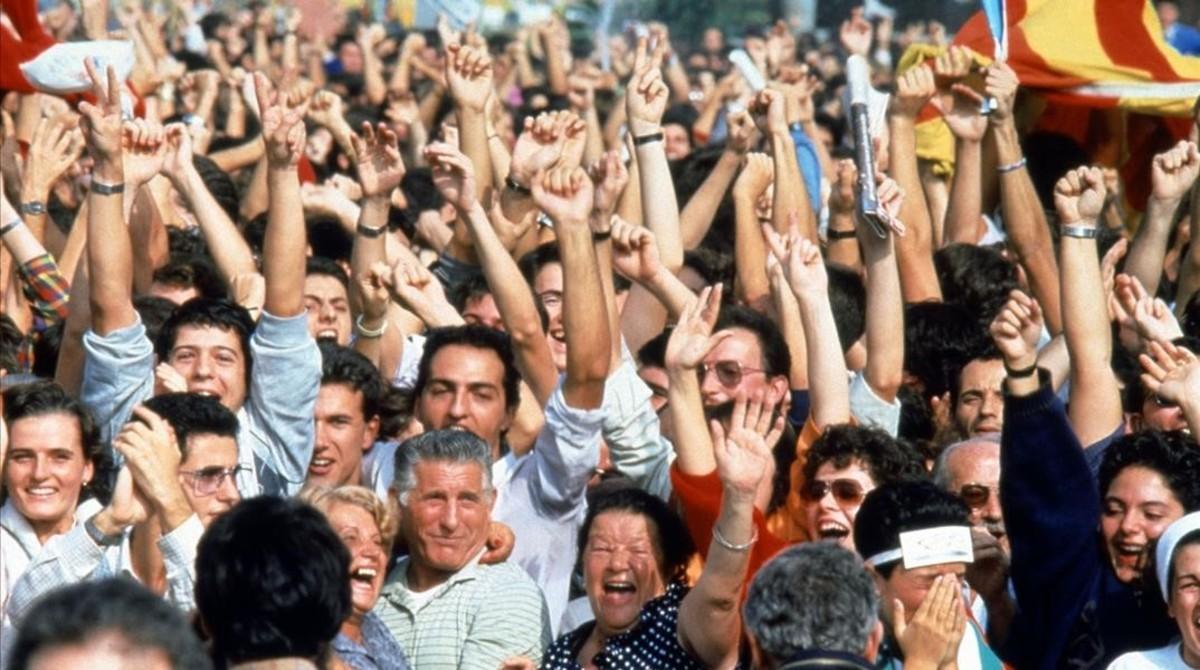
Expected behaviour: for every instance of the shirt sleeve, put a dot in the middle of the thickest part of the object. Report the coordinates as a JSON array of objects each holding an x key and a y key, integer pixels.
[
  {"x": 565, "y": 455},
  {"x": 48, "y": 291},
  {"x": 283, "y": 393},
  {"x": 118, "y": 374},
  {"x": 504, "y": 625},
  {"x": 810, "y": 167},
  {"x": 631, "y": 431},
  {"x": 871, "y": 410},
  {"x": 64, "y": 560},
  {"x": 179, "y": 556}
]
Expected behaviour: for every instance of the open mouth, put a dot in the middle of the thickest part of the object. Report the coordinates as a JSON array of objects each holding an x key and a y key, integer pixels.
[
  {"x": 320, "y": 465},
  {"x": 327, "y": 334},
  {"x": 618, "y": 587},
  {"x": 832, "y": 530},
  {"x": 364, "y": 575},
  {"x": 41, "y": 491},
  {"x": 1128, "y": 555}
]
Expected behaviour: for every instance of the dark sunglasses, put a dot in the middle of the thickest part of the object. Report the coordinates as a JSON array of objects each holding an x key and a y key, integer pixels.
[
  {"x": 729, "y": 373},
  {"x": 845, "y": 491},
  {"x": 975, "y": 495}
]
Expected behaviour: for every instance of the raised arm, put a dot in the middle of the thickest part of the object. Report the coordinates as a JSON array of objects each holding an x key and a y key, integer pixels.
[
  {"x": 566, "y": 196},
  {"x": 1019, "y": 205},
  {"x": 1172, "y": 174},
  {"x": 791, "y": 195},
  {"x": 709, "y": 616},
  {"x": 645, "y": 103},
  {"x": 53, "y": 149},
  {"x": 286, "y": 241},
  {"x": 841, "y": 237},
  {"x": 109, "y": 252},
  {"x": 1095, "y": 407},
  {"x": 885, "y": 306},
  {"x": 829, "y": 388},
  {"x": 691, "y": 340},
  {"x": 697, "y": 215},
  {"x": 914, "y": 252},
  {"x": 750, "y": 254},
  {"x": 960, "y": 109},
  {"x": 469, "y": 77},
  {"x": 1173, "y": 374}
]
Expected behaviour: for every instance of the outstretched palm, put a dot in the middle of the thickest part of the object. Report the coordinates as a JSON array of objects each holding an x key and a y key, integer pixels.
[
  {"x": 378, "y": 161},
  {"x": 282, "y": 124}
]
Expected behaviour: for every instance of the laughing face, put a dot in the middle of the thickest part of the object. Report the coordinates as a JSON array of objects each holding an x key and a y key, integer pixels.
[
  {"x": 342, "y": 435},
  {"x": 1185, "y": 600},
  {"x": 45, "y": 471},
  {"x": 328, "y": 308},
  {"x": 368, "y": 553},
  {"x": 548, "y": 287},
  {"x": 1138, "y": 507},
  {"x": 213, "y": 363},
  {"x": 831, "y": 516},
  {"x": 622, "y": 569}
]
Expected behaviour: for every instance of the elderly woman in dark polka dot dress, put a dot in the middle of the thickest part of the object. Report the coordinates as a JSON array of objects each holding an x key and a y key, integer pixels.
[{"x": 634, "y": 552}]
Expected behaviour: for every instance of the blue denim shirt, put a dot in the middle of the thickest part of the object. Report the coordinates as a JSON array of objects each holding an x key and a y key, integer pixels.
[{"x": 378, "y": 651}]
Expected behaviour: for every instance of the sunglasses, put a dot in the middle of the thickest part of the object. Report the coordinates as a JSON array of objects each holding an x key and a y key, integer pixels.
[
  {"x": 729, "y": 373},
  {"x": 209, "y": 480},
  {"x": 975, "y": 495},
  {"x": 846, "y": 492}
]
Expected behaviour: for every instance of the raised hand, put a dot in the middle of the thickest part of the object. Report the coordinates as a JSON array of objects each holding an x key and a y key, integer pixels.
[
  {"x": 610, "y": 177},
  {"x": 509, "y": 232},
  {"x": 1151, "y": 316},
  {"x": 415, "y": 287},
  {"x": 1079, "y": 196},
  {"x": 770, "y": 112},
  {"x": 743, "y": 455},
  {"x": 960, "y": 109},
  {"x": 693, "y": 338},
  {"x": 326, "y": 109},
  {"x": 178, "y": 159},
  {"x": 469, "y": 75},
  {"x": 565, "y": 195},
  {"x": 282, "y": 124},
  {"x": 148, "y": 444},
  {"x": 952, "y": 65},
  {"x": 573, "y": 130},
  {"x": 842, "y": 195},
  {"x": 799, "y": 86},
  {"x": 801, "y": 261},
  {"x": 127, "y": 507},
  {"x": 1174, "y": 171},
  {"x": 743, "y": 134},
  {"x": 914, "y": 88},
  {"x": 377, "y": 161},
  {"x": 145, "y": 151},
  {"x": 453, "y": 174},
  {"x": 891, "y": 201},
  {"x": 1001, "y": 85},
  {"x": 374, "y": 287},
  {"x": 168, "y": 380},
  {"x": 538, "y": 147},
  {"x": 1017, "y": 329},
  {"x": 1171, "y": 372},
  {"x": 53, "y": 149},
  {"x": 757, "y": 174},
  {"x": 635, "y": 252},
  {"x": 646, "y": 95},
  {"x": 931, "y": 639},
  {"x": 855, "y": 33},
  {"x": 101, "y": 121}
]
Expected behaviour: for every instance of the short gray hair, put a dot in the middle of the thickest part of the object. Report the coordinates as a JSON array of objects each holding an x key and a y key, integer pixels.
[
  {"x": 452, "y": 446},
  {"x": 941, "y": 467},
  {"x": 812, "y": 596}
]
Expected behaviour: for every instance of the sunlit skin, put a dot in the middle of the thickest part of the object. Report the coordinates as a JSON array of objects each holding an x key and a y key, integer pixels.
[
  {"x": 328, "y": 307},
  {"x": 213, "y": 363},
  {"x": 622, "y": 570},
  {"x": 1137, "y": 508},
  {"x": 103, "y": 651},
  {"x": 1185, "y": 601},
  {"x": 910, "y": 587},
  {"x": 341, "y": 436},
  {"x": 980, "y": 407},
  {"x": 979, "y": 463},
  {"x": 742, "y": 347},
  {"x": 444, "y": 520},
  {"x": 1162, "y": 417},
  {"x": 548, "y": 287},
  {"x": 368, "y": 560},
  {"x": 45, "y": 471},
  {"x": 826, "y": 518},
  {"x": 482, "y": 311},
  {"x": 465, "y": 390},
  {"x": 206, "y": 452}
]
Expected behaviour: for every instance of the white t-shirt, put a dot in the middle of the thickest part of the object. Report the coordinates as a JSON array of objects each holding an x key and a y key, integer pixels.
[{"x": 1169, "y": 657}]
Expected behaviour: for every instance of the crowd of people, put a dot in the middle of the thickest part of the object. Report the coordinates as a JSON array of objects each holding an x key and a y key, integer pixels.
[{"x": 357, "y": 347}]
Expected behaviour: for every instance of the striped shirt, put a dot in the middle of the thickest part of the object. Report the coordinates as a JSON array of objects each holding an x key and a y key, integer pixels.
[{"x": 479, "y": 617}]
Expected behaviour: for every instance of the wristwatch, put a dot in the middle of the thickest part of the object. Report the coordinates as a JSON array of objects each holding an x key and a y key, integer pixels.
[
  {"x": 33, "y": 208},
  {"x": 99, "y": 537}
]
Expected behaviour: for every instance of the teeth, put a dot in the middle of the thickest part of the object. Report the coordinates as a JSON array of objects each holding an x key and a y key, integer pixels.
[
  {"x": 322, "y": 462},
  {"x": 41, "y": 491},
  {"x": 620, "y": 587}
]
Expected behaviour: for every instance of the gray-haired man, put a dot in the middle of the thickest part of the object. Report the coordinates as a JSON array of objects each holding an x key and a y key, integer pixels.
[{"x": 446, "y": 609}]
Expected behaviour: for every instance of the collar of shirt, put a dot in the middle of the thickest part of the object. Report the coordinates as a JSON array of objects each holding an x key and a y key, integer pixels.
[
  {"x": 18, "y": 526},
  {"x": 397, "y": 591}
]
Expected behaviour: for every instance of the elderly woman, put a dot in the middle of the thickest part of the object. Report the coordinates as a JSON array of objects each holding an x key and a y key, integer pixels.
[
  {"x": 367, "y": 526},
  {"x": 1177, "y": 564},
  {"x": 634, "y": 550}
]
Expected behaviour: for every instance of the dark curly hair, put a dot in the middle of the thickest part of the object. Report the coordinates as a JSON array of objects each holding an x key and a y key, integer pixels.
[
  {"x": 885, "y": 459},
  {"x": 673, "y": 542},
  {"x": 898, "y": 507},
  {"x": 1172, "y": 454}
]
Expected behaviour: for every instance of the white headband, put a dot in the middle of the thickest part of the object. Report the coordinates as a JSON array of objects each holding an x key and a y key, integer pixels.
[
  {"x": 1165, "y": 552},
  {"x": 930, "y": 546}
]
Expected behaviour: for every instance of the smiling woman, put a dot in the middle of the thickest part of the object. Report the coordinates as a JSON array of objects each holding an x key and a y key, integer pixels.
[
  {"x": 367, "y": 526},
  {"x": 54, "y": 459}
]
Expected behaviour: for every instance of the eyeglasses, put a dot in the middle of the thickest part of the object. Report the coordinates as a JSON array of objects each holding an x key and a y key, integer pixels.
[
  {"x": 208, "y": 481},
  {"x": 846, "y": 492},
  {"x": 975, "y": 495},
  {"x": 729, "y": 373}
]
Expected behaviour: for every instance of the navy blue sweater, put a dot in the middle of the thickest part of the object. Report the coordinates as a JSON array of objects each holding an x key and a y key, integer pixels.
[{"x": 1072, "y": 612}]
